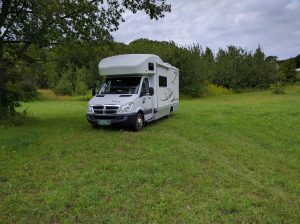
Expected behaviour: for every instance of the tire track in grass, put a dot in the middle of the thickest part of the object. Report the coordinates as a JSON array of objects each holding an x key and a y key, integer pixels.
[{"x": 243, "y": 172}]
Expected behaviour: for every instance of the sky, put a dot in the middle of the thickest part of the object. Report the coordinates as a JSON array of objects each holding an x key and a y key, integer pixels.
[{"x": 272, "y": 24}]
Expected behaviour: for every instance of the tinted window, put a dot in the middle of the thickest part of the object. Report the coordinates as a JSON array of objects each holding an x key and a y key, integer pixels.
[
  {"x": 121, "y": 85},
  {"x": 162, "y": 81},
  {"x": 151, "y": 66},
  {"x": 145, "y": 86}
]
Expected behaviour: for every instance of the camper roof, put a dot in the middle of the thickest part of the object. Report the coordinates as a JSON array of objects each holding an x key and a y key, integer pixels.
[{"x": 130, "y": 64}]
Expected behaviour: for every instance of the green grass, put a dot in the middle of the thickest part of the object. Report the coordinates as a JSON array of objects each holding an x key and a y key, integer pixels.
[{"x": 223, "y": 159}]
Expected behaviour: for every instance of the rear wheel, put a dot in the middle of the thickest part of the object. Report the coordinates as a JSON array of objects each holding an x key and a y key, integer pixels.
[
  {"x": 169, "y": 115},
  {"x": 139, "y": 122}
]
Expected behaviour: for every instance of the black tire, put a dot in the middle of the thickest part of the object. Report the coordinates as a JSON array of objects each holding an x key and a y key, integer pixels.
[
  {"x": 138, "y": 123},
  {"x": 170, "y": 113},
  {"x": 95, "y": 125}
]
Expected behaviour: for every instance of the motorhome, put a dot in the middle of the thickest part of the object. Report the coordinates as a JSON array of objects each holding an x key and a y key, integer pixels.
[{"x": 137, "y": 88}]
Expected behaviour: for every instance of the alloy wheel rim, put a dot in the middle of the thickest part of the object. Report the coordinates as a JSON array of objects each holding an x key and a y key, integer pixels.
[{"x": 140, "y": 122}]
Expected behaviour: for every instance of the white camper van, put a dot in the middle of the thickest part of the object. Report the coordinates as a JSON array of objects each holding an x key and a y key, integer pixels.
[{"x": 138, "y": 88}]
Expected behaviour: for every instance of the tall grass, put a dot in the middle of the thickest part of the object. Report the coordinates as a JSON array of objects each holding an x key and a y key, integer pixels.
[{"x": 49, "y": 95}]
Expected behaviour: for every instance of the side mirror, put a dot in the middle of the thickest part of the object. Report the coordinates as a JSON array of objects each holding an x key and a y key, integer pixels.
[
  {"x": 151, "y": 91},
  {"x": 93, "y": 92}
]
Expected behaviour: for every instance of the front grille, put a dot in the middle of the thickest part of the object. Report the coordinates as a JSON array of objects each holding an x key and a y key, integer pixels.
[
  {"x": 105, "y": 109},
  {"x": 97, "y": 117},
  {"x": 112, "y": 107},
  {"x": 98, "y": 107}
]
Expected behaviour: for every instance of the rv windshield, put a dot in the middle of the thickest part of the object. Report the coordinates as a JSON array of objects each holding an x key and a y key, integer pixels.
[{"x": 121, "y": 85}]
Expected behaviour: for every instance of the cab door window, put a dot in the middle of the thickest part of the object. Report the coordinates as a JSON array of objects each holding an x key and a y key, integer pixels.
[{"x": 145, "y": 87}]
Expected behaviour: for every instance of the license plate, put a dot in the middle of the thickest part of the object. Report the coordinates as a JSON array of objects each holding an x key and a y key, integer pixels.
[{"x": 104, "y": 122}]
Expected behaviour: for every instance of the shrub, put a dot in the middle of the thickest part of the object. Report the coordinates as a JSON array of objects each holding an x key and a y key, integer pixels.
[
  {"x": 288, "y": 71},
  {"x": 214, "y": 89},
  {"x": 278, "y": 88},
  {"x": 50, "y": 72},
  {"x": 80, "y": 88},
  {"x": 17, "y": 119},
  {"x": 64, "y": 86},
  {"x": 81, "y": 79},
  {"x": 298, "y": 77}
]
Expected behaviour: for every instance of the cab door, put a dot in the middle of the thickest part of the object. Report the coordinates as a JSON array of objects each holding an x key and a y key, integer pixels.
[{"x": 147, "y": 100}]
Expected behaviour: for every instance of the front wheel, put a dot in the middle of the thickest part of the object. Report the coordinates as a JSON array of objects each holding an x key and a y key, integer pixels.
[
  {"x": 138, "y": 123},
  {"x": 95, "y": 125}
]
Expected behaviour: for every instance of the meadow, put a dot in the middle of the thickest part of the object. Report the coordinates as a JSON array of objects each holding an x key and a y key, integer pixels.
[{"x": 219, "y": 159}]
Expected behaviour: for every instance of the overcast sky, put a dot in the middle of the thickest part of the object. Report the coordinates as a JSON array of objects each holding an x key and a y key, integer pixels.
[{"x": 274, "y": 24}]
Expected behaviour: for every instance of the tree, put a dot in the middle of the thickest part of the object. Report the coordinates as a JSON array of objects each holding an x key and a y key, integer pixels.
[
  {"x": 272, "y": 59},
  {"x": 45, "y": 23},
  {"x": 237, "y": 68},
  {"x": 209, "y": 63},
  {"x": 287, "y": 71}
]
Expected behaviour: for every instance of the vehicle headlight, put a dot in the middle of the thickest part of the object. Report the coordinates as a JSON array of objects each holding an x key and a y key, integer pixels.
[
  {"x": 126, "y": 107},
  {"x": 89, "y": 109}
]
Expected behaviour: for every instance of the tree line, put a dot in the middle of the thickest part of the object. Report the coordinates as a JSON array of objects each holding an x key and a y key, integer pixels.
[{"x": 71, "y": 68}]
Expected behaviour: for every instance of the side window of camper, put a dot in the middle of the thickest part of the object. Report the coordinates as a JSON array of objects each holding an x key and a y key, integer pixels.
[
  {"x": 145, "y": 87},
  {"x": 162, "y": 81}
]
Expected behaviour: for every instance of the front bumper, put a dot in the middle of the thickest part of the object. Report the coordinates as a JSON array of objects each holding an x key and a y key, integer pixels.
[{"x": 116, "y": 119}]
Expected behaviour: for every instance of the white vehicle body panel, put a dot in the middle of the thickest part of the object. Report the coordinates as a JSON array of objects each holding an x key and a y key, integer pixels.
[
  {"x": 146, "y": 66},
  {"x": 127, "y": 64},
  {"x": 167, "y": 96}
]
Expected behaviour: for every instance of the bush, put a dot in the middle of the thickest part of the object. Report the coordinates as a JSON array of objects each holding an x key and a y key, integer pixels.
[
  {"x": 298, "y": 77},
  {"x": 213, "y": 89},
  {"x": 17, "y": 119},
  {"x": 82, "y": 77},
  {"x": 80, "y": 88},
  {"x": 288, "y": 71},
  {"x": 50, "y": 72},
  {"x": 64, "y": 86},
  {"x": 278, "y": 88}
]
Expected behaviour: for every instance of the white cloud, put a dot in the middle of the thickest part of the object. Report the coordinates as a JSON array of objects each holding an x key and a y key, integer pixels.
[
  {"x": 274, "y": 24},
  {"x": 293, "y": 5}
]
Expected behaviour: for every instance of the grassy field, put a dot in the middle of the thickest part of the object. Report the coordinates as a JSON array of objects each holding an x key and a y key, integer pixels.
[{"x": 222, "y": 159}]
